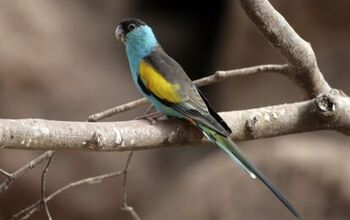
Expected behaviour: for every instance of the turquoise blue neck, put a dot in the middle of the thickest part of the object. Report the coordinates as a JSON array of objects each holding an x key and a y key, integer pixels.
[{"x": 140, "y": 42}]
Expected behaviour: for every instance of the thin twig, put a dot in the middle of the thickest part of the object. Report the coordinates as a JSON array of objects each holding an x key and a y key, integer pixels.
[
  {"x": 222, "y": 75},
  {"x": 216, "y": 77},
  {"x": 29, "y": 211},
  {"x": 118, "y": 109},
  {"x": 125, "y": 206},
  {"x": 6, "y": 174},
  {"x": 25, "y": 169},
  {"x": 91, "y": 180},
  {"x": 43, "y": 187}
]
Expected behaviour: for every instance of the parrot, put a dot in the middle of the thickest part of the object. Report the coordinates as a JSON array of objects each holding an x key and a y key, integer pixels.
[{"x": 167, "y": 87}]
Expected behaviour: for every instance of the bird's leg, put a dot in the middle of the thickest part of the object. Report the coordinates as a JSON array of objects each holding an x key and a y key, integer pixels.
[{"x": 152, "y": 117}]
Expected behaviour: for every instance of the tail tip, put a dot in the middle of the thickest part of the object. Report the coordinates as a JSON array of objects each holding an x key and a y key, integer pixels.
[
  {"x": 297, "y": 215},
  {"x": 252, "y": 175}
]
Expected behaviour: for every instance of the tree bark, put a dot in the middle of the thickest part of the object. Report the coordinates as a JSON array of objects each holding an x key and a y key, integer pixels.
[{"x": 329, "y": 111}]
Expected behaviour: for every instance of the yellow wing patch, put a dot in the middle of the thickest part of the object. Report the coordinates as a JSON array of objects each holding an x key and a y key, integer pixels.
[{"x": 156, "y": 83}]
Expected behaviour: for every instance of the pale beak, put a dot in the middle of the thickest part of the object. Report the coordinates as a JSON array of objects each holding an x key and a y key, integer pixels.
[{"x": 119, "y": 33}]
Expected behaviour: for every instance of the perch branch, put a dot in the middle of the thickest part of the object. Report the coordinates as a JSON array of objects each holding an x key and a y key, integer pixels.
[
  {"x": 6, "y": 174},
  {"x": 289, "y": 44},
  {"x": 216, "y": 77},
  {"x": 328, "y": 111}
]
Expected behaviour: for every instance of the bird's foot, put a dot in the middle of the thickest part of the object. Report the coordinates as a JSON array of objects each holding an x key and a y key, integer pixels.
[{"x": 152, "y": 117}]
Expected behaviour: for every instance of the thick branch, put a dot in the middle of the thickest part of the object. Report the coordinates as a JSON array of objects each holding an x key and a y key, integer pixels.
[
  {"x": 329, "y": 111},
  {"x": 289, "y": 44}
]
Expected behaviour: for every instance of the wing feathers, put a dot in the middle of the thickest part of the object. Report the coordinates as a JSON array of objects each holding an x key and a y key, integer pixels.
[
  {"x": 165, "y": 79},
  {"x": 157, "y": 84},
  {"x": 214, "y": 114}
]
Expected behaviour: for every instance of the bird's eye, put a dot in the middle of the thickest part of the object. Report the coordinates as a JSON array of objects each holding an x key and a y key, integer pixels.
[{"x": 131, "y": 27}]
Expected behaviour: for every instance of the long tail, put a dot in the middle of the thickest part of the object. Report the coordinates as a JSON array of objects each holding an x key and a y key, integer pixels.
[{"x": 236, "y": 155}]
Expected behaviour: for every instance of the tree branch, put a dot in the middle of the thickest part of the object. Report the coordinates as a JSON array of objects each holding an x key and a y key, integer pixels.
[
  {"x": 125, "y": 206},
  {"x": 216, "y": 77},
  {"x": 289, "y": 44},
  {"x": 23, "y": 170},
  {"x": 6, "y": 174},
  {"x": 43, "y": 187},
  {"x": 30, "y": 210},
  {"x": 329, "y": 111}
]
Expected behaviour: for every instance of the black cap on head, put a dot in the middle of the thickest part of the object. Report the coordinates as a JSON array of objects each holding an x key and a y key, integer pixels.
[{"x": 130, "y": 24}]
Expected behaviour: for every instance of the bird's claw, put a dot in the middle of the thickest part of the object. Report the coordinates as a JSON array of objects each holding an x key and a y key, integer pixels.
[{"x": 152, "y": 117}]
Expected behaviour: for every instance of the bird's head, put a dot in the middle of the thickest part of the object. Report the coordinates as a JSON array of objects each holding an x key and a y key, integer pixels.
[{"x": 135, "y": 33}]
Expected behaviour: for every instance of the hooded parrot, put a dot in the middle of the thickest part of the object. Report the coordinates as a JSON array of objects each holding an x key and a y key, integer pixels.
[{"x": 165, "y": 84}]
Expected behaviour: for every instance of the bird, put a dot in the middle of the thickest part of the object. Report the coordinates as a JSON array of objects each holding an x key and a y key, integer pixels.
[{"x": 166, "y": 85}]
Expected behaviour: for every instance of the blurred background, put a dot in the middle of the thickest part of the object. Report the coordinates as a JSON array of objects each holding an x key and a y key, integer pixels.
[{"x": 60, "y": 60}]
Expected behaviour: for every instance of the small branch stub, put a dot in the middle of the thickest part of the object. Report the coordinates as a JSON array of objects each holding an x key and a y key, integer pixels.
[
  {"x": 251, "y": 125},
  {"x": 95, "y": 142},
  {"x": 325, "y": 103}
]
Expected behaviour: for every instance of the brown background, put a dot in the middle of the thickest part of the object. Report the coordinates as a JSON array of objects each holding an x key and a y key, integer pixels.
[{"x": 60, "y": 60}]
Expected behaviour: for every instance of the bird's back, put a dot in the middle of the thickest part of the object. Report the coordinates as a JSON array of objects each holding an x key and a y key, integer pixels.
[{"x": 193, "y": 104}]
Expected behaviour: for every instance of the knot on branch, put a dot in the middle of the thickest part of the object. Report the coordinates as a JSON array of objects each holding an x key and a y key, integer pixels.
[
  {"x": 219, "y": 74},
  {"x": 182, "y": 132},
  {"x": 251, "y": 125},
  {"x": 93, "y": 118},
  {"x": 264, "y": 122},
  {"x": 96, "y": 141},
  {"x": 2, "y": 139},
  {"x": 325, "y": 103},
  {"x": 326, "y": 109}
]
